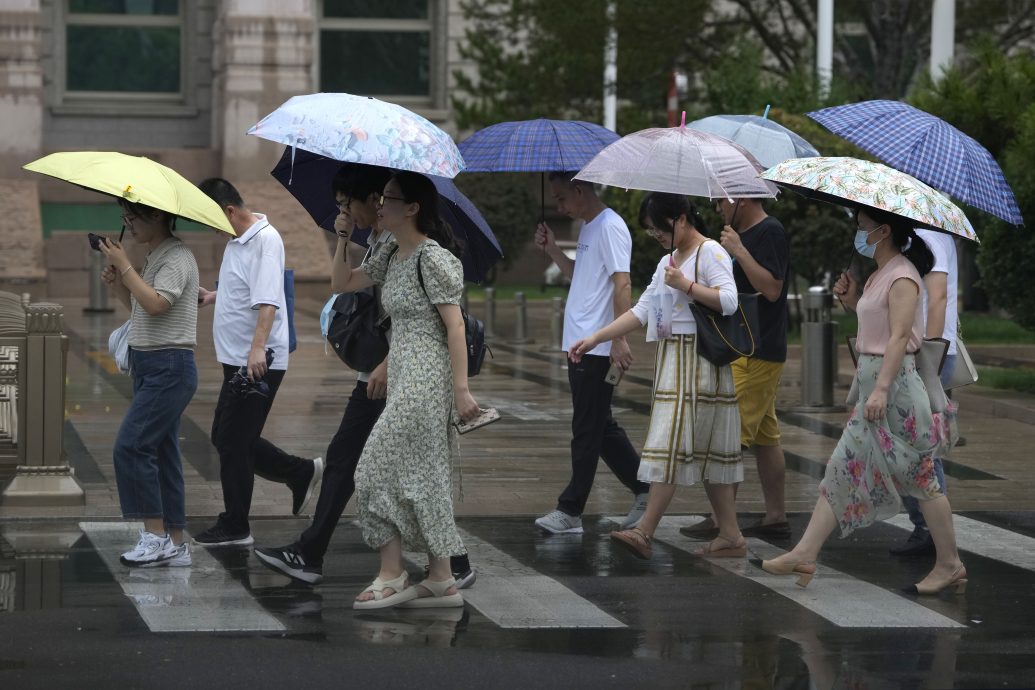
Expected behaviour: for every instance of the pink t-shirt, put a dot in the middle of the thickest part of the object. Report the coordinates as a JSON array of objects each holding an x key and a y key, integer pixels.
[{"x": 873, "y": 310}]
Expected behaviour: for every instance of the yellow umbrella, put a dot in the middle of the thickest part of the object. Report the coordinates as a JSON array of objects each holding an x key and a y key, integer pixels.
[{"x": 136, "y": 179}]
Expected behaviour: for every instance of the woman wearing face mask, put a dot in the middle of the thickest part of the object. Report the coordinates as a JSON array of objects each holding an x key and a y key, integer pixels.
[
  {"x": 163, "y": 304},
  {"x": 403, "y": 492},
  {"x": 891, "y": 438},
  {"x": 694, "y": 431}
]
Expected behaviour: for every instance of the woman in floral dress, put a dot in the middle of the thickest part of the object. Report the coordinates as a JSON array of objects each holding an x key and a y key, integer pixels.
[
  {"x": 892, "y": 437},
  {"x": 403, "y": 481}
]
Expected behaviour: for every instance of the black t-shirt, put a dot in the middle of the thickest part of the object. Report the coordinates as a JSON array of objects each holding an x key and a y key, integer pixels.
[{"x": 767, "y": 243}]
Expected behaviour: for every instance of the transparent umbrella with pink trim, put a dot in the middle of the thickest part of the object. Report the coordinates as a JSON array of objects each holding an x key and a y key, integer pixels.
[{"x": 679, "y": 160}]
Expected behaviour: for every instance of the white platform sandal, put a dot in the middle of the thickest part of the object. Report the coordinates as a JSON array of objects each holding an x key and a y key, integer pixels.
[
  {"x": 438, "y": 599},
  {"x": 401, "y": 593}
]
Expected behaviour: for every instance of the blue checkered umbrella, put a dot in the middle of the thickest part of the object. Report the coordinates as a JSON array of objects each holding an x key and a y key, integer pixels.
[
  {"x": 928, "y": 148},
  {"x": 534, "y": 146}
]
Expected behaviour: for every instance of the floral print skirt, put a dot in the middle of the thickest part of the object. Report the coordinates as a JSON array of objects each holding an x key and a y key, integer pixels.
[{"x": 875, "y": 462}]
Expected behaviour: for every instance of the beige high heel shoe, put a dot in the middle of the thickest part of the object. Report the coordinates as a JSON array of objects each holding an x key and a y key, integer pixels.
[
  {"x": 805, "y": 570},
  {"x": 957, "y": 581}
]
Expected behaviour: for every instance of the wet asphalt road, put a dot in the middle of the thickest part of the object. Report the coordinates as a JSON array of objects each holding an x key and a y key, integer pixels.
[{"x": 687, "y": 622}]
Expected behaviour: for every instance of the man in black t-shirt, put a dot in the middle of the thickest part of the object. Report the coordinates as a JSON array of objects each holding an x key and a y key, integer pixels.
[{"x": 761, "y": 263}]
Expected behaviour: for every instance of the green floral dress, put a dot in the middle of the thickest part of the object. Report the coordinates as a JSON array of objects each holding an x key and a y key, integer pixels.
[{"x": 403, "y": 480}]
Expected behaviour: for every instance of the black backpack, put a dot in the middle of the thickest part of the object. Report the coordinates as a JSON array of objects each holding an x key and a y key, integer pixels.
[{"x": 474, "y": 331}]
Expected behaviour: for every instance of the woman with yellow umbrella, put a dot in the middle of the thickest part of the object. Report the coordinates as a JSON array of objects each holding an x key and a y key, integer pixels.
[{"x": 163, "y": 304}]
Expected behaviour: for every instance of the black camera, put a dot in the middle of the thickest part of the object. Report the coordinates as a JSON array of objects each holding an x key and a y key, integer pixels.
[
  {"x": 241, "y": 385},
  {"x": 95, "y": 241}
]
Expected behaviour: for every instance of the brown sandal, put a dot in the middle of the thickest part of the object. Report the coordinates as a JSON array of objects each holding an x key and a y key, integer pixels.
[
  {"x": 737, "y": 549},
  {"x": 635, "y": 541}
]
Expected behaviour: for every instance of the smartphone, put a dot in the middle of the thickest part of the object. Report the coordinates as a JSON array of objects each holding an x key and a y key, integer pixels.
[
  {"x": 95, "y": 241},
  {"x": 614, "y": 375},
  {"x": 487, "y": 416}
]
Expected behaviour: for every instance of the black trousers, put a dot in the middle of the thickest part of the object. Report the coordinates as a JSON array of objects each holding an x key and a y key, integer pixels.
[
  {"x": 243, "y": 453},
  {"x": 595, "y": 434},
  {"x": 343, "y": 455}
]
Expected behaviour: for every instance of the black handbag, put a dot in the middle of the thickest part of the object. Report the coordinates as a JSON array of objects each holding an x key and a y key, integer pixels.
[
  {"x": 722, "y": 339},
  {"x": 474, "y": 332},
  {"x": 357, "y": 331}
]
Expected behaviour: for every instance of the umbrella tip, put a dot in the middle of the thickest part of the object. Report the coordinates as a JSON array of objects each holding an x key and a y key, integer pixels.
[
  {"x": 765, "y": 115},
  {"x": 682, "y": 121}
]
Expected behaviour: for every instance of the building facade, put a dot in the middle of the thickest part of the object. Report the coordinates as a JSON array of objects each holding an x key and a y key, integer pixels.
[{"x": 181, "y": 81}]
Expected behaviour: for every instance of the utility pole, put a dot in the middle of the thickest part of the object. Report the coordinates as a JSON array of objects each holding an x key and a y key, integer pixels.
[
  {"x": 824, "y": 45},
  {"x": 611, "y": 69},
  {"x": 943, "y": 37}
]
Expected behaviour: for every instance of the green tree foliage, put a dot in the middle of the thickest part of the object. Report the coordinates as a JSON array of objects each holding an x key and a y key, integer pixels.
[
  {"x": 991, "y": 97},
  {"x": 543, "y": 58}
]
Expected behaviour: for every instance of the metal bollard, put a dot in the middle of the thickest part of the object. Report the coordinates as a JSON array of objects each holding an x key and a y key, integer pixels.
[
  {"x": 557, "y": 323},
  {"x": 520, "y": 319},
  {"x": 819, "y": 349},
  {"x": 490, "y": 312},
  {"x": 98, "y": 290}
]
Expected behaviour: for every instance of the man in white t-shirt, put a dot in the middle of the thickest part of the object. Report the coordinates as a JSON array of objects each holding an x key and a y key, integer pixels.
[
  {"x": 939, "y": 300},
  {"x": 250, "y": 318},
  {"x": 600, "y": 290}
]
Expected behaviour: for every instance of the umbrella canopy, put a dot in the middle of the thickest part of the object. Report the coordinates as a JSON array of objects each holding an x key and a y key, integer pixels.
[
  {"x": 360, "y": 129},
  {"x": 136, "y": 179},
  {"x": 309, "y": 181},
  {"x": 679, "y": 160},
  {"x": 928, "y": 148},
  {"x": 854, "y": 182},
  {"x": 768, "y": 141},
  {"x": 534, "y": 146}
]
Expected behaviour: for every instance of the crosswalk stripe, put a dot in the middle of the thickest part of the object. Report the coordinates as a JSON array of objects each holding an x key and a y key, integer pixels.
[
  {"x": 513, "y": 595},
  {"x": 202, "y": 598},
  {"x": 839, "y": 598},
  {"x": 986, "y": 540}
]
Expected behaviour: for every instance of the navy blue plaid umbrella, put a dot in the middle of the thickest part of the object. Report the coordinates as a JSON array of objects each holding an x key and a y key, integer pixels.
[
  {"x": 928, "y": 148},
  {"x": 539, "y": 145},
  {"x": 534, "y": 146},
  {"x": 309, "y": 177}
]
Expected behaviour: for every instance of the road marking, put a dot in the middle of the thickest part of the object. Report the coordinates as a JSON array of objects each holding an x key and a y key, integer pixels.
[
  {"x": 513, "y": 595},
  {"x": 202, "y": 598},
  {"x": 520, "y": 410},
  {"x": 986, "y": 540},
  {"x": 839, "y": 598}
]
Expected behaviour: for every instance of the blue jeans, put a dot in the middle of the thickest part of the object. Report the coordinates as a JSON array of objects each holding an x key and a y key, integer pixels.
[
  {"x": 911, "y": 504},
  {"x": 148, "y": 469}
]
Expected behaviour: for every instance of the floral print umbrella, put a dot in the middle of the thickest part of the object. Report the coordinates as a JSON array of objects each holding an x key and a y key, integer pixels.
[
  {"x": 360, "y": 129},
  {"x": 854, "y": 182}
]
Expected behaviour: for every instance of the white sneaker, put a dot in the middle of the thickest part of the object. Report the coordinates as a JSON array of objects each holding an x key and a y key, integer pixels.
[
  {"x": 151, "y": 550},
  {"x": 182, "y": 559},
  {"x": 639, "y": 507},
  {"x": 559, "y": 522}
]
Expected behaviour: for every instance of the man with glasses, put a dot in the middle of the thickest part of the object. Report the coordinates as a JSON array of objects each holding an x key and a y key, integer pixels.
[
  {"x": 358, "y": 194},
  {"x": 249, "y": 320},
  {"x": 760, "y": 249},
  {"x": 600, "y": 291}
]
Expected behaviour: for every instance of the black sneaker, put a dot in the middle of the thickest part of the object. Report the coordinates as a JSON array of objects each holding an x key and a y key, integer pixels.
[
  {"x": 919, "y": 543},
  {"x": 290, "y": 561},
  {"x": 220, "y": 536},
  {"x": 300, "y": 496}
]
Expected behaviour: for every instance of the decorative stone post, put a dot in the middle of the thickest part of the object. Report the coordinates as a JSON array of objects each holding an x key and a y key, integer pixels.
[{"x": 42, "y": 477}]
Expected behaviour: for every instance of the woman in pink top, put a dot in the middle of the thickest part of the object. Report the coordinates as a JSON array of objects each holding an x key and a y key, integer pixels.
[{"x": 891, "y": 438}]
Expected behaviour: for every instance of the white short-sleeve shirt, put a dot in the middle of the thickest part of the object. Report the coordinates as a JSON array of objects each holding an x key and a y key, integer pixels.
[
  {"x": 943, "y": 246},
  {"x": 251, "y": 275},
  {"x": 604, "y": 248}
]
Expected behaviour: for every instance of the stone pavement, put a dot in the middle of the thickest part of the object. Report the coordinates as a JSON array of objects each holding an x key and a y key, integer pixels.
[{"x": 519, "y": 465}]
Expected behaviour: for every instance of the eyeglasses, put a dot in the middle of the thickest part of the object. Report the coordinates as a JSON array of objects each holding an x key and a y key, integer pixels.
[
  {"x": 127, "y": 218},
  {"x": 381, "y": 200},
  {"x": 655, "y": 233}
]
